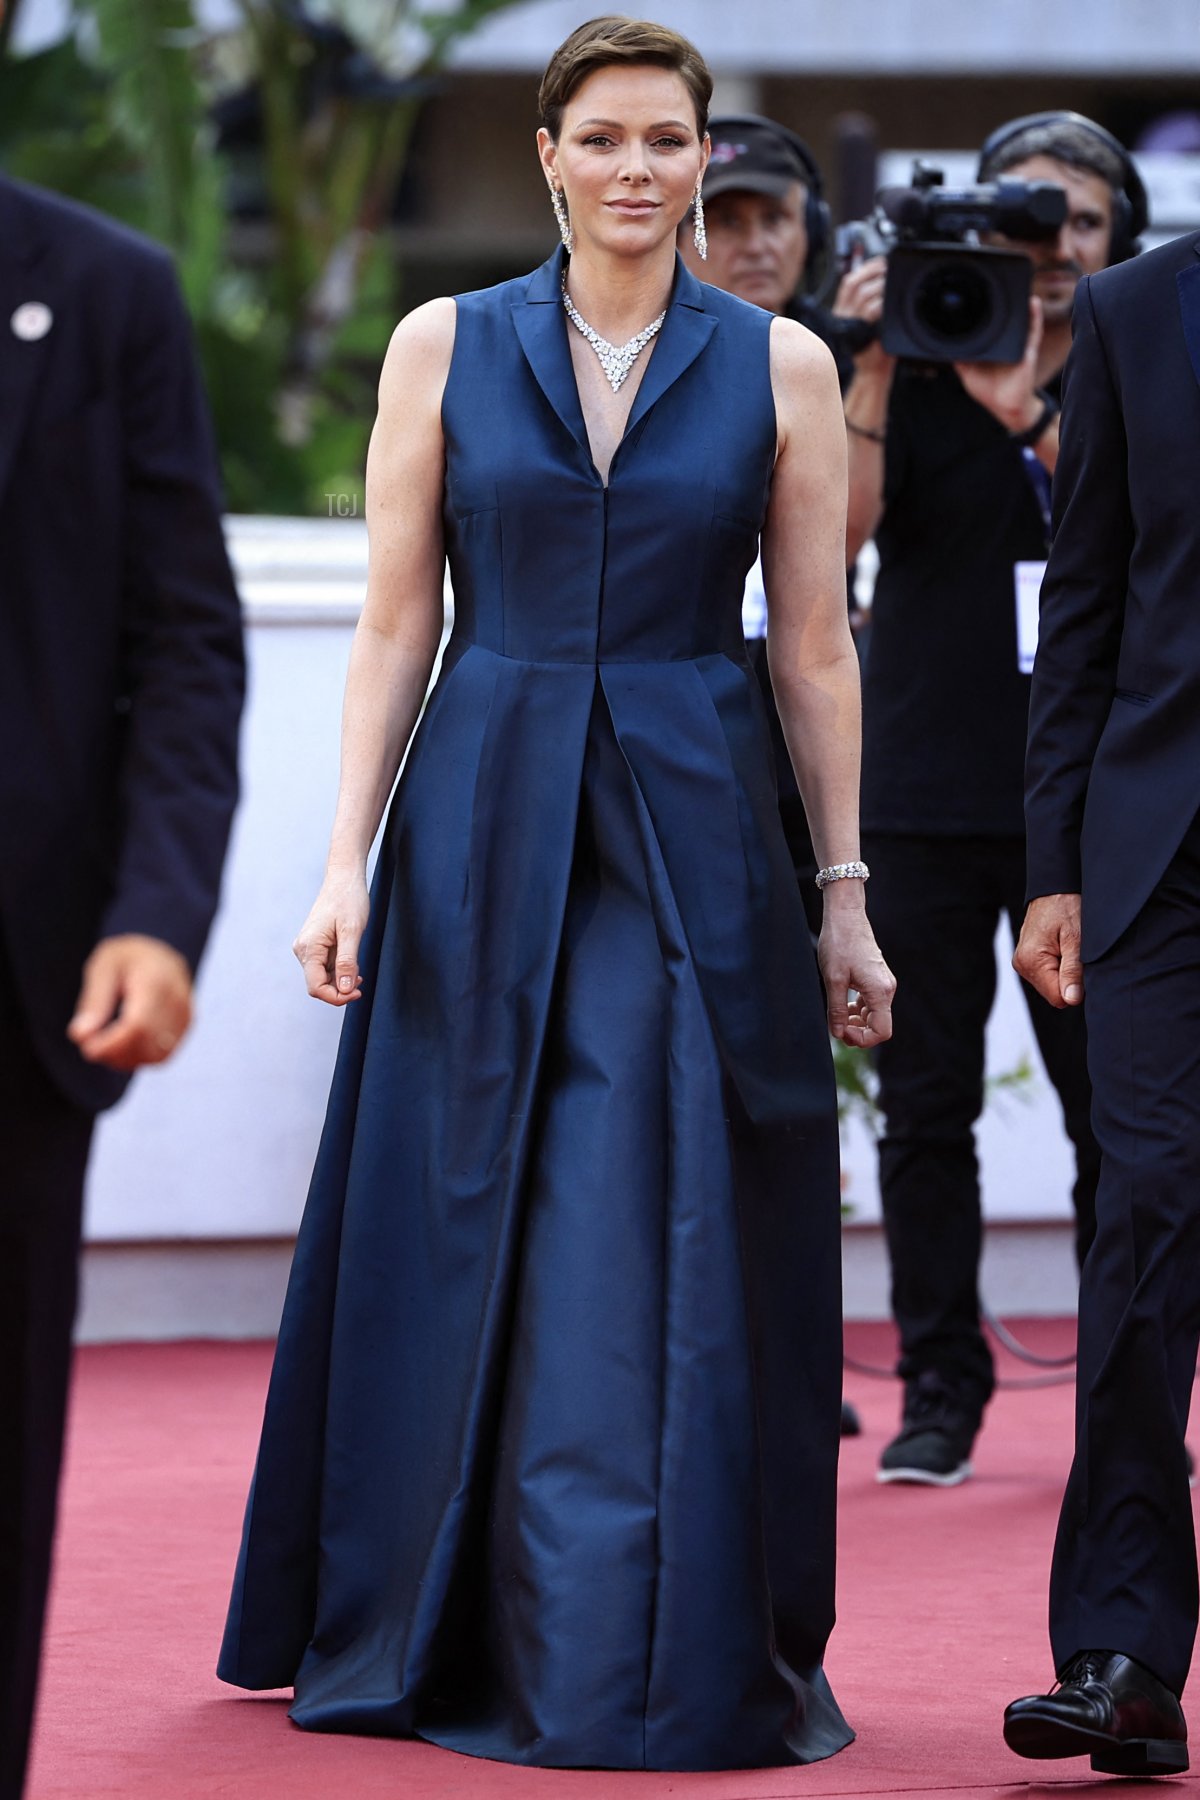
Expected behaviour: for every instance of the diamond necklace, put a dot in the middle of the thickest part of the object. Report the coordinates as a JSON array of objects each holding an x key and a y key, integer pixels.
[{"x": 615, "y": 359}]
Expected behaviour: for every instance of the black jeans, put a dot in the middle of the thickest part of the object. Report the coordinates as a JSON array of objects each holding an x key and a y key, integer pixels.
[
  {"x": 791, "y": 806},
  {"x": 44, "y": 1142},
  {"x": 1124, "y": 1573},
  {"x": 935, "y": 904}
]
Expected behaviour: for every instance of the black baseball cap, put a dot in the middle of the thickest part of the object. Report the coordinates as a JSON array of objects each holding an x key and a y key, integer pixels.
[{"x": 754, "y": 156}]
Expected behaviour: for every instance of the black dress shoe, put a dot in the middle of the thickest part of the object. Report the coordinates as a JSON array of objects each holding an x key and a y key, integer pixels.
[{"x": 1108, "y": 1706}]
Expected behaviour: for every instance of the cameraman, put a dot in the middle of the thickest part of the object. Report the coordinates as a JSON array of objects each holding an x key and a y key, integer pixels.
[
  {"x": 769, "y": 242},
  {"x": 950, "y": 472}
]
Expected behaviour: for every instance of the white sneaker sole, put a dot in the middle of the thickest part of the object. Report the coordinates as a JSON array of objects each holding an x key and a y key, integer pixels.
[{"x": 926, "y": 1477}]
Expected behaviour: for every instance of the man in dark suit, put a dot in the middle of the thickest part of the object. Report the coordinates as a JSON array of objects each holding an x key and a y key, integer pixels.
[
  {"x": 1112, "y": 799},
  {"x": 121, "y": 680}
]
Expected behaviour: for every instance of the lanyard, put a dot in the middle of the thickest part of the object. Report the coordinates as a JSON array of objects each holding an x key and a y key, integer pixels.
[{"x": 1038, "y": 476}]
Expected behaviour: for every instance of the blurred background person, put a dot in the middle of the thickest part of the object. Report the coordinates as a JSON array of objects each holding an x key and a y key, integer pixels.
[
  {"x": 768, "y": 224},
  {"x": 950, "y": 471},
  {"x": 120, "y": 691},
  {"x": 769, "y": 242}
]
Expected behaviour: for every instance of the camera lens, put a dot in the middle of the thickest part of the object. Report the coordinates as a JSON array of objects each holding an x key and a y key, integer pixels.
[{"x": 954, "y": 301}]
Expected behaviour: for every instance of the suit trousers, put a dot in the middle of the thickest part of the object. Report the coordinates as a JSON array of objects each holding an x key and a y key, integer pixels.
[
  {"x": 1124, "y": 1571},
  {"x": 935, "y": 904},
  {"x": 45, "y": 1142}
]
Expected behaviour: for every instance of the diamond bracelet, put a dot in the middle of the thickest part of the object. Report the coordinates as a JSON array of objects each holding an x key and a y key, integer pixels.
[{"x": 855, "y": 871}]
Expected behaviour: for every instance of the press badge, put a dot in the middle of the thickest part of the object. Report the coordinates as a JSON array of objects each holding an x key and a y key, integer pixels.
[{"x": 1027, "y": 580}]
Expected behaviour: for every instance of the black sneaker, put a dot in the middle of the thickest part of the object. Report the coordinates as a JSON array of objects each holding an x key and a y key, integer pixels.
[{"x": 933, "y": 1446}]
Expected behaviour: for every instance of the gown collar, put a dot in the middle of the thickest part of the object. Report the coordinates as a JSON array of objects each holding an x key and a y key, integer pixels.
[{"x": 541, "y": 325}]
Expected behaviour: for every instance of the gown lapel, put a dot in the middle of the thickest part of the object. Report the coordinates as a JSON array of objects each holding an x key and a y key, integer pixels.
[
  {"x": 1189, "y": 307},
  {"x": 539, "y": 321},
  {"x": 685, "y": 332}
]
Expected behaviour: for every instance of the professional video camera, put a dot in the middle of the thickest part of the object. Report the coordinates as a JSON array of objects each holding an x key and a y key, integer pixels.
[{"x": 948, "y": 297}]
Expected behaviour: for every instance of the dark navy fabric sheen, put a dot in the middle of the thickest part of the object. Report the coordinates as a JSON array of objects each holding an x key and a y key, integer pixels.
[{"x": 548, "y": 1466}]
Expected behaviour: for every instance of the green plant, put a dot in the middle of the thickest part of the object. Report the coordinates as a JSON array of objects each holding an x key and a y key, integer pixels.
[
  {"x": 119, "y": 115},
  {"x": 858, "y": 1086},
  {"x": 340, "y": 87}
]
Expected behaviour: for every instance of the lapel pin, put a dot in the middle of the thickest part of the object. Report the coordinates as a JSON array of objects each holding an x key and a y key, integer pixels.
[{"x": 31, "y": 321}]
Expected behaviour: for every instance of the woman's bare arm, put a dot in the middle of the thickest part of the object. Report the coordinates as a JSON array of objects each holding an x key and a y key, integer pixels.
[
  {"x": 397, "y": 636},
  {"x": 814, "y": 668}
]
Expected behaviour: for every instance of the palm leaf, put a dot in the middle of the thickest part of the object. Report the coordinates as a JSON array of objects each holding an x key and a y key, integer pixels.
[{"x": 146, "y": 47}]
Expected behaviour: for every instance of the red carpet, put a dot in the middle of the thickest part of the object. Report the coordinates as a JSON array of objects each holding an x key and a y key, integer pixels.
[{"x": 942, "y": 1601}]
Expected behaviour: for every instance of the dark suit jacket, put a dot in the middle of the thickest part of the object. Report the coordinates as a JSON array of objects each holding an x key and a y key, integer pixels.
[
  {"x": 121, "y": 668},
  {"x": 1113, "y": 768}
]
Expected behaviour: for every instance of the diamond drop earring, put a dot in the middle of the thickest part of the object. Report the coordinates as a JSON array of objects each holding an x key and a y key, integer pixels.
[
  {"x": 564, "y": 223},
  {"x": 698, "y": 231}
]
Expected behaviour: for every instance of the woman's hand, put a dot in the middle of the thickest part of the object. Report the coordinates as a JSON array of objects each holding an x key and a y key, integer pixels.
[
  {"x": 858, "y": 983},
  {"x": 327, "y": 944}
]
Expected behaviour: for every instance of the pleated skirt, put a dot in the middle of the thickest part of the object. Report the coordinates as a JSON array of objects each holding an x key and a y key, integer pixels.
[{"x": 605, "y": 1537}]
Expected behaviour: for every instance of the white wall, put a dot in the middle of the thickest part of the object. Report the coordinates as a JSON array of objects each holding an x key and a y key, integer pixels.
[
  {"x": 219, "y": 1142},
  {"x": 1025, "y": 1161}
]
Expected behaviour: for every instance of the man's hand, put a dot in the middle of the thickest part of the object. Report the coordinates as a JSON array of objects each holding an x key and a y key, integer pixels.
[
  {"x": 1047, "y": 955},
  {"x": 1009, "y": 390},
  {"x": 860, "y": 296},
  {"x": 135, "y": 1003}
]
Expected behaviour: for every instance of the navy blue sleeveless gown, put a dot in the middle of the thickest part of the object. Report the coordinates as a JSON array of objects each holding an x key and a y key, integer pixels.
[{"x": 548, "y": 1466}]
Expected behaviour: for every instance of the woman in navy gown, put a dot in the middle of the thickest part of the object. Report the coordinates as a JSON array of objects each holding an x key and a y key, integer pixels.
[{"x": 548, "y": 1465}]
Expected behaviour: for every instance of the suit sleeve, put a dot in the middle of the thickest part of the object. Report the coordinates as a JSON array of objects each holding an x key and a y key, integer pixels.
[
  {"x": 181, "y": 661},
  {"x": 1082, "y": 610}
]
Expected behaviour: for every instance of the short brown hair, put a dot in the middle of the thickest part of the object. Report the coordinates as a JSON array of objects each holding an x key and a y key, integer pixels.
[{"x": 616, "y": 39}]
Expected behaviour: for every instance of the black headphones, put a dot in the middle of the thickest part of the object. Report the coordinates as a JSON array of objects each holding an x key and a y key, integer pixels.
[
  {"x": 1131, "y": 207},
  {"x": 818, "y": 221}
]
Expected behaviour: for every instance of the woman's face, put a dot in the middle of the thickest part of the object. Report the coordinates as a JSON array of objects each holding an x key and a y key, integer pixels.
[{"x": 628, "y": 157}]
